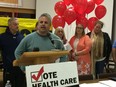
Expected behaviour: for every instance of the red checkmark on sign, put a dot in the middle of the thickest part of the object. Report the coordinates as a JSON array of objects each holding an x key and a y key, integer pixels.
[{"x": 38, "y": 75}]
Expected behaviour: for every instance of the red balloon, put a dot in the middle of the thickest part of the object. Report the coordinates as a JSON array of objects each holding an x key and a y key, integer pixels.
[
  {"x": 91, "y": 23},
  {"x": 70, "y": 15},
  {"x": 98, "y": 2},
  {"x": 80, "y": 6},
  {"x": 83, "y": 21},
  {"x": 100, "y": 11},
  {"x": 58, "y": 21},
  {"x": 60, "y": 7},
  {"x": 67, "y": 2},
  {"x": 90, "y": 6},
  {"x": 79, "y": 16}
]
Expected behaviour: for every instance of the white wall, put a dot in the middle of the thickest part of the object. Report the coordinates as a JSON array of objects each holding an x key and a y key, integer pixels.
[
  {"x": 27, "y": 4},
  {"x": 47, "y": 6}
]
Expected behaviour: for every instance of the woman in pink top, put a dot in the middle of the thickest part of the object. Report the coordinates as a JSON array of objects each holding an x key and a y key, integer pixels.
[{"x": 81, "y": 46}]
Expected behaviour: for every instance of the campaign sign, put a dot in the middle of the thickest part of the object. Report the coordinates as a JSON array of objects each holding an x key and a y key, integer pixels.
[{"x": 52, "y": 75}]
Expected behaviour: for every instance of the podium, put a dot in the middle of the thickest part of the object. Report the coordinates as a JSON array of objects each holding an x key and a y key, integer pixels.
[{"x": 41, "y": 57}]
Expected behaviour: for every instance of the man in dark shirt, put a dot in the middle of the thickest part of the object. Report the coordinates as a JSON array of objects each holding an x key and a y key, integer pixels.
[{"x": 8, "y": 43}]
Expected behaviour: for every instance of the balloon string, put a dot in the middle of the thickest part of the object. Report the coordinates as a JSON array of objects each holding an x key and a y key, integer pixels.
[{"x": 87, "y": 24}]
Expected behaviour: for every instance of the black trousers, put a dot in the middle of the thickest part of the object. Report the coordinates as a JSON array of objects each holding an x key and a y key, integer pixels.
[{"x": 17, "y": 77}]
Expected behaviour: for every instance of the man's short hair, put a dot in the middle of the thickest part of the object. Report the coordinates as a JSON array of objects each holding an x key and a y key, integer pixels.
[
  {"x": 11, "y": 19},
  {"x": 47, "y": 16}
]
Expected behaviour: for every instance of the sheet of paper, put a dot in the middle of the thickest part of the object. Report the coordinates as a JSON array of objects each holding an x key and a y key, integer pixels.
[
  {"x": 109, "y": 83},
  {"x": 93, "y": 85}
]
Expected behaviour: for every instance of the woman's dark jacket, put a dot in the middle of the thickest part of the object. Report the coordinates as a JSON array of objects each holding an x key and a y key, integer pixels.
[{"x": 107, "y": 45}]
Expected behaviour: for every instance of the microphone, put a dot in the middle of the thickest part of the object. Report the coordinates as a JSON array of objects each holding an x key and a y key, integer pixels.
[
  {"x": 52, "y": 41},
  {"x": 35, "y": 49}
]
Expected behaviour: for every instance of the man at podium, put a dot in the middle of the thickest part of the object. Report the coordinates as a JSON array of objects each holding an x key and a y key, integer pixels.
[{"x": 40, "y": 40}]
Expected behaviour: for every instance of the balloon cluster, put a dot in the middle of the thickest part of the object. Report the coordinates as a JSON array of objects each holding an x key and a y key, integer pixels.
[{"x": 70, "y": 10}]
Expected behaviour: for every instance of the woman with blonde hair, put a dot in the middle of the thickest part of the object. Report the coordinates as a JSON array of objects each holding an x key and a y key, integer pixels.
[
  {"x": 59, "y": 31},
  {"x": 101, "y": 48}
]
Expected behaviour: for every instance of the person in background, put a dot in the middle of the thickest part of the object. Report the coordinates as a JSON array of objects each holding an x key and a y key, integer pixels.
[
  {"x": 81, "y": 46},
  {"x": 9, "y": 40},
  {"x": 59, "y": 31},
  {"x": 101, "y": 48},
  {"x": 114, "y": 53},
  {"x": 40, "y": 40}
]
